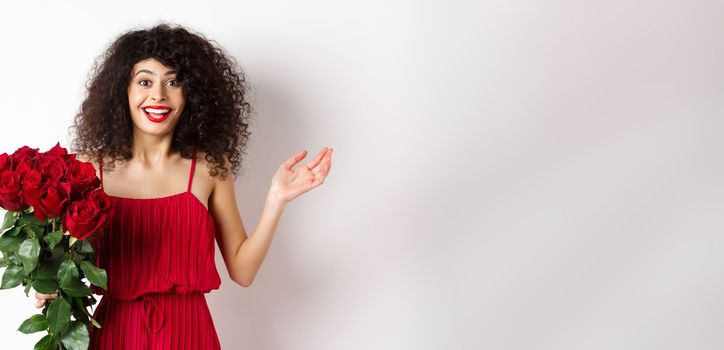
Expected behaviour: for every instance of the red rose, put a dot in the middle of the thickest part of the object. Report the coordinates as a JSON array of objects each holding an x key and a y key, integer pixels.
[
  {"x": 62, "y": 153},
  {"x": 32, "y": 183},
  {"x": 25, "y": 154},
  {"x": 82, "y": 178},
  {"x": 101, "y": 200},
  {"x": 6, "y": 162},
  {"x": 51, "y": 200},
  {"x": 52, "y": 167},
  {"x": 24, "y": 166},
  {"x": 69, "y": 160},
  {"x": 10, "y": 191},
  {"x": 83, "y": 218},
  {"x": 57, "y": 151}
]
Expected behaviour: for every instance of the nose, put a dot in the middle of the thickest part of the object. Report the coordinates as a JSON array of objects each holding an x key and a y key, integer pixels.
[{"x": 158, "y": 94}]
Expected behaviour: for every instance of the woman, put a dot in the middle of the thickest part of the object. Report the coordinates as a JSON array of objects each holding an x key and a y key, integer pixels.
[{"x": 171, "y": 108}]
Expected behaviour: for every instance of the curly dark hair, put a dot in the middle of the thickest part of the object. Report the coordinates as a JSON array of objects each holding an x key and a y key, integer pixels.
[{"x": 216, "y": 113}]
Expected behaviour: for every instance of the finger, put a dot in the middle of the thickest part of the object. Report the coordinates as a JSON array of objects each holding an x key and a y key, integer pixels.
[
  {"x": 42, "y": 296},
  {"x": 294, "y": 159},
  {"x": 320, "y": 156},
  {"x": 39, "y": 293},
  {"x": 325, "y": 166},
  {"x": 329, "y": 163},
  {"x": 321, "y": 172}
]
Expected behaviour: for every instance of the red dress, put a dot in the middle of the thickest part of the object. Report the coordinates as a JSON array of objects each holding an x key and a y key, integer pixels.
[{"x": 159, "y": 257}]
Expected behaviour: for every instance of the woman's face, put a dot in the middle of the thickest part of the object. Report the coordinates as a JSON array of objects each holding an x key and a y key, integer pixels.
[{"x": 155, "y": 97}]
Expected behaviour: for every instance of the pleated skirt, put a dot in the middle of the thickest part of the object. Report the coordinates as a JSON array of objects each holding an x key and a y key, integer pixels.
[{"x": 157, "y": 321}]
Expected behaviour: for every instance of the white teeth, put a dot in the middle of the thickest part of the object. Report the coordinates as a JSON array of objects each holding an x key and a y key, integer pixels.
[{"x": 157, "y": 111}]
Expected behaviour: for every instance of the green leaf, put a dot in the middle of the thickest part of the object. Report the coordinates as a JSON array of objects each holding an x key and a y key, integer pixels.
[
  {"x": 30, "y": 219},
  {"x": 46, "y": 286},
  {"x": 58, "y": 314},
  {"x": 79, "y": 311},
  {"x": 46, "y": 343},
  {"x": 14, "y": 231},
  {"x": 54, "y": 238},
  {"x": 48, "y": 269},
  {"x": 31, "y": 222},
  {"x": 95, "y": 323},
  {"x": 10, "y": 218},
  {"x": 68, "y": 273},
  {"x": 30, "y": 231},
  {"x": 13, "y": 259},
  {"x": 59, "y": 252},
  {"x": 9, "y": 242},
  {"x": 28, "y": 285},
  {"x": 12, "y": 277},
  {"x": 76, "y": 336},
  {"x": 5, "y": 241},
  {"x": 35, "y": 323},
  {"x": 72, "y": 240},
  {"x": 94, "y": 274},
  {"x": 28, "y": 252},
  {"x": 84, "y": 247},
  {"x": 78, "y": 257},
  {"x": 77, "y": 289}
]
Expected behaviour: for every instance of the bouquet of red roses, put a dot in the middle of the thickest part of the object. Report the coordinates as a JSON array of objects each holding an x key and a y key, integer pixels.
[{"x": 54, "y": 205}]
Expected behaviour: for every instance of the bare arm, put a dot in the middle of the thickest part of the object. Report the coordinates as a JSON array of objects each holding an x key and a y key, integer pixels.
[{"x": 242, "y": 255}]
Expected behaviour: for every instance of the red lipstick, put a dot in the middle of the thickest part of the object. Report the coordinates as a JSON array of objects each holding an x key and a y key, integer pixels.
[{"x": 154, "y": 114}]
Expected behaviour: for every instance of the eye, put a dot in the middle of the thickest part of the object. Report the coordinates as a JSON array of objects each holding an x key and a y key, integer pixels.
[
  {"x": 173, "y": 82},
  {"x": 144, "y": 82}
]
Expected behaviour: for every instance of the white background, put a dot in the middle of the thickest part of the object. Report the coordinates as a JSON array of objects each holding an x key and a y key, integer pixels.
[{"x": 506, "y": 175}]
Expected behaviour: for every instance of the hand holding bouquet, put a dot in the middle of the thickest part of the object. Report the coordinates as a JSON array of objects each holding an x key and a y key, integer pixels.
[{"x": 54, "y": 206}]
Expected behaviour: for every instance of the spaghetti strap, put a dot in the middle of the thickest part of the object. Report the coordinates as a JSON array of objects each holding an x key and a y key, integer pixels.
[
  {"x": 191, "y": 175},
  {"x": 100, "y": 162}
]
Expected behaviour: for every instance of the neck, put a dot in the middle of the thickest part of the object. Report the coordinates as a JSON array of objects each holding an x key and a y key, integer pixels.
[{"x": 151, "y": 150}]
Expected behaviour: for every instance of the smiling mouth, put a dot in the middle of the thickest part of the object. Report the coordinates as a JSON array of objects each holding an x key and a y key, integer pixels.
[{"x": 157, "y": 115}]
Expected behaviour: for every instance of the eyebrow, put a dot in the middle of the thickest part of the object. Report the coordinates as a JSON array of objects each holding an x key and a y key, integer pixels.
[{"x": 152, "y": 73}]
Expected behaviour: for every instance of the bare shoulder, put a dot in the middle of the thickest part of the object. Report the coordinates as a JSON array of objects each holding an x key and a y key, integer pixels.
[
  {"x": 205, "y": 167},
  {"x": 203, "y": 171},
  {"x": 83, "y": 157}
]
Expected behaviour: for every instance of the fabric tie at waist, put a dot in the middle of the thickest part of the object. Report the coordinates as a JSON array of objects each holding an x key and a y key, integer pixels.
[{"x": 151, "y": 308}]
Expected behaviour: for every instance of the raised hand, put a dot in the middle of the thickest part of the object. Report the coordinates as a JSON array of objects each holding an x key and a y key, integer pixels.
[{"x": 289, "y": 183}]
